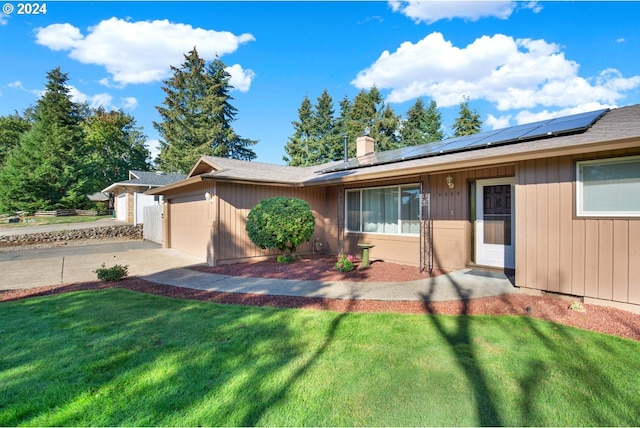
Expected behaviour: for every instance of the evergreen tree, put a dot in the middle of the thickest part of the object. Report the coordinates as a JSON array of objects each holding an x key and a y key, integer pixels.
[
  {"x": 343, "y": 128},
  {"x": 47, "y": 169},
  {"x": 423, "y": 125},
  {"x": 11, "y": 128},
  {"x": 197, "y": 116},
  {"x": 433, "y": 128},
  {"x": 386, "y": 129},
  {"x": 319, "y": 134},
  {"x": 468, "y": 121},
  {"x": 116, "y": 145},
  {"x": 369, "y": 111},
  {"x": 297, "y": 147},
  {"x": 316, "y": 137},
  {"x": 325, "y": 136}
]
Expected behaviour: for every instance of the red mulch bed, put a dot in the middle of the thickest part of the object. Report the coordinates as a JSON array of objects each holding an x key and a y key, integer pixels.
[{"x": 596, "y": 318}]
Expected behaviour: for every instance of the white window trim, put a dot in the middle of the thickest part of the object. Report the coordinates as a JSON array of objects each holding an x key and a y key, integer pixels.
[
  {"x": 361, "y": 189},
  {"x": 579, "y": 188}
]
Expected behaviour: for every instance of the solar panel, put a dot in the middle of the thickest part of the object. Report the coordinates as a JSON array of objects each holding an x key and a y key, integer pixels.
[
  {"x": 570, "y": 124},
  {"x": 541, "y": 129}
]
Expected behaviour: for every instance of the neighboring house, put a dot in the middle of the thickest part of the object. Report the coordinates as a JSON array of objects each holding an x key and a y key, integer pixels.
[
  {"x": 129, "y": 198},
  {"x": 557, "y": 201}
]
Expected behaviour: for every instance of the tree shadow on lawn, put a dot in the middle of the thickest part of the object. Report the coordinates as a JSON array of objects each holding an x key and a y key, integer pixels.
[
  {"x": 557, "y": 353},
  {"x": 114, "y": 357}
]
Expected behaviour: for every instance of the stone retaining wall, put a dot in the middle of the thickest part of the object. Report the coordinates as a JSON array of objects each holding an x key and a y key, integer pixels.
[{"x": 61, "y": 236}]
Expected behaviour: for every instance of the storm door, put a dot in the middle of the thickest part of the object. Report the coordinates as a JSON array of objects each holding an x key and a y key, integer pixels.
[{"x": 495, "y": 223}]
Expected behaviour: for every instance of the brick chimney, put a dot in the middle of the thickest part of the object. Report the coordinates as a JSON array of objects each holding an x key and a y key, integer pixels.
[{"x": 364, "y": 145}]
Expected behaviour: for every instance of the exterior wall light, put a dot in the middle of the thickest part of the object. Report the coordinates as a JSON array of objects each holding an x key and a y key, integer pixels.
[
  {"x": 450, "y": 181},
  {"x": 208, "y": 197}
]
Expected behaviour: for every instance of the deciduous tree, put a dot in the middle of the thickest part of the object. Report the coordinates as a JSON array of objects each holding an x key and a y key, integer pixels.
[{"x": 116, "y": 145}]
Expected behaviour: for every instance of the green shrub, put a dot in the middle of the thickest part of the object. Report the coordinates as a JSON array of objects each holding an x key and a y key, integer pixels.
[
  {"x": 114, "y": 273},
  {"x": 280, "y": 222}
]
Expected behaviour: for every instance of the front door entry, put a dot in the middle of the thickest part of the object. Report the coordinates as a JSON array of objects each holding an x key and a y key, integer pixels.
[{"x": 495, "y": 223}]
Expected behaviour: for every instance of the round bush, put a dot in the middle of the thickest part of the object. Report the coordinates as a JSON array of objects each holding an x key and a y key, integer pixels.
[{"x": 280, "y": 222}]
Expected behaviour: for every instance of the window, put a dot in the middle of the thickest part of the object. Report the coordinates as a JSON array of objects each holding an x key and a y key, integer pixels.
[
  {"x": 609, "y": 187},
  {"x": 392, "y": 210}
]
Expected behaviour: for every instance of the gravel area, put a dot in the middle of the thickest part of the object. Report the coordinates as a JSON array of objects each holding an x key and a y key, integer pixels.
[{"x": 596, "y": 318}]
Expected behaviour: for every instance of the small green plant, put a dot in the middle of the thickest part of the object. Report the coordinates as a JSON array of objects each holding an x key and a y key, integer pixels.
[
  {"x": 114, "y": 273},
  {"x": 345, "y": 262},
  {"x": 576, "y": 306},
  {"x": 284, "y": 258}
]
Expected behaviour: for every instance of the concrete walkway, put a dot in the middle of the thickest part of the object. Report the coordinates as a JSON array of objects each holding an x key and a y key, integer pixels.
[
  {"x": 459, "y": 285},
  {"x": 50, "y": 266}
]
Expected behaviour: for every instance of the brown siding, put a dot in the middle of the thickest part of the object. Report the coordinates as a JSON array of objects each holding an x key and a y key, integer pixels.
[
  {"x": 558, "y": 252},
  {"x": 403, "y": 249},
  {"x": 235, "y": 202}
]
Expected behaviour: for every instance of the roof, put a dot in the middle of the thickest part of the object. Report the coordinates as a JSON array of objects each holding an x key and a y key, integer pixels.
[
  {"x": 149, "y": 179},
  {"x": 617, "y": 128}
]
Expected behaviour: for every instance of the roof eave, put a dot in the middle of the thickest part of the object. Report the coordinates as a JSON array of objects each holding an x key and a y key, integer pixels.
[{"x": 178, "y": 184}]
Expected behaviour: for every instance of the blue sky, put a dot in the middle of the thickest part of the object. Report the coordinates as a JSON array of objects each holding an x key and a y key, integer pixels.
[{"x": 518, "y": 62}]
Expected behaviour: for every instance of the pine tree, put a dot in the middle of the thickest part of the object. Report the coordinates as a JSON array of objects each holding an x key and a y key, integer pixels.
[
  {"x": 468, "y": 122},
  {"x": 369, "y": 111},
  {"x": 423, "y": 125},
  {"x": 11, "y": 128},
  {"x": 316, "y": 137},
  {"x": 116, "y": 145},
  {"x": 344, "y": 129},
  {"x": 298, "y": 145},
  {"x": 386, "y": 128},
  {"x": 47, "y": 170},
  {"x": 197, "y": 116},
  {"x": 433, "y": 127},
  {"x": 324, "y": 134}
]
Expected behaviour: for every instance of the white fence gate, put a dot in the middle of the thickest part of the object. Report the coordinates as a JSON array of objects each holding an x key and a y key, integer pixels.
[{"x": 152, "y": 229}]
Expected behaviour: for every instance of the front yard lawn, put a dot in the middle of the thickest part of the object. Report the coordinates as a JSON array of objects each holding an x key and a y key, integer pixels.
[{"x": 117, "y": 357}]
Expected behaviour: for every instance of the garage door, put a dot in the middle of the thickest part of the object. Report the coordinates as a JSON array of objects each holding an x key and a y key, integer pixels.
[
  {"x": 121, "y": 207},
  {"x": 190, "y": 226}
]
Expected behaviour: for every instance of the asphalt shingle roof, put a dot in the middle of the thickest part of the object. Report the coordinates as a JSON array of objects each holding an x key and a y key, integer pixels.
[{"x": 616, "y": 125}]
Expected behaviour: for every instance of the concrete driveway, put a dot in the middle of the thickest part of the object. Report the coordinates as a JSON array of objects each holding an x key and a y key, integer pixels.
[{"x": 21, "y": 268}]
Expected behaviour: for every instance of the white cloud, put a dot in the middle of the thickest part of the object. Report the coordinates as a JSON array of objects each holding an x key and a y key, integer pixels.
[
  {"x": 129, "y": 103},
  {"x": 620, "y": 40},
  {"x": 18, "y": 85},
  {"x": 103, "y": 100},
  {"x": 498, "y": 122},
  {"x": 240, "y": 79},
  {"x": 510, "y": 73},
  {"x": 94, "y": 101},
  {"x": 141, "y": 51},
  {"x": 4, "y": 19},
  {"x": 472, "y": 10}
]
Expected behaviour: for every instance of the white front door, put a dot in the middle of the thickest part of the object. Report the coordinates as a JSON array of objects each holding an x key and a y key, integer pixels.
[{"x": 495, "y": 239}]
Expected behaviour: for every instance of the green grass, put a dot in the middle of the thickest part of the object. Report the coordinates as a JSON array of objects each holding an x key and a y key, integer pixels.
[
  {"x": 38, "y": 221},
  {"x": 116, "y": 357}
]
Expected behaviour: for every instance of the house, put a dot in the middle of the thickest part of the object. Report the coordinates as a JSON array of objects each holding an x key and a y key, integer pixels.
[
  {"x": 129, "y": 198},
  {"x": 557, "y": 201}
]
